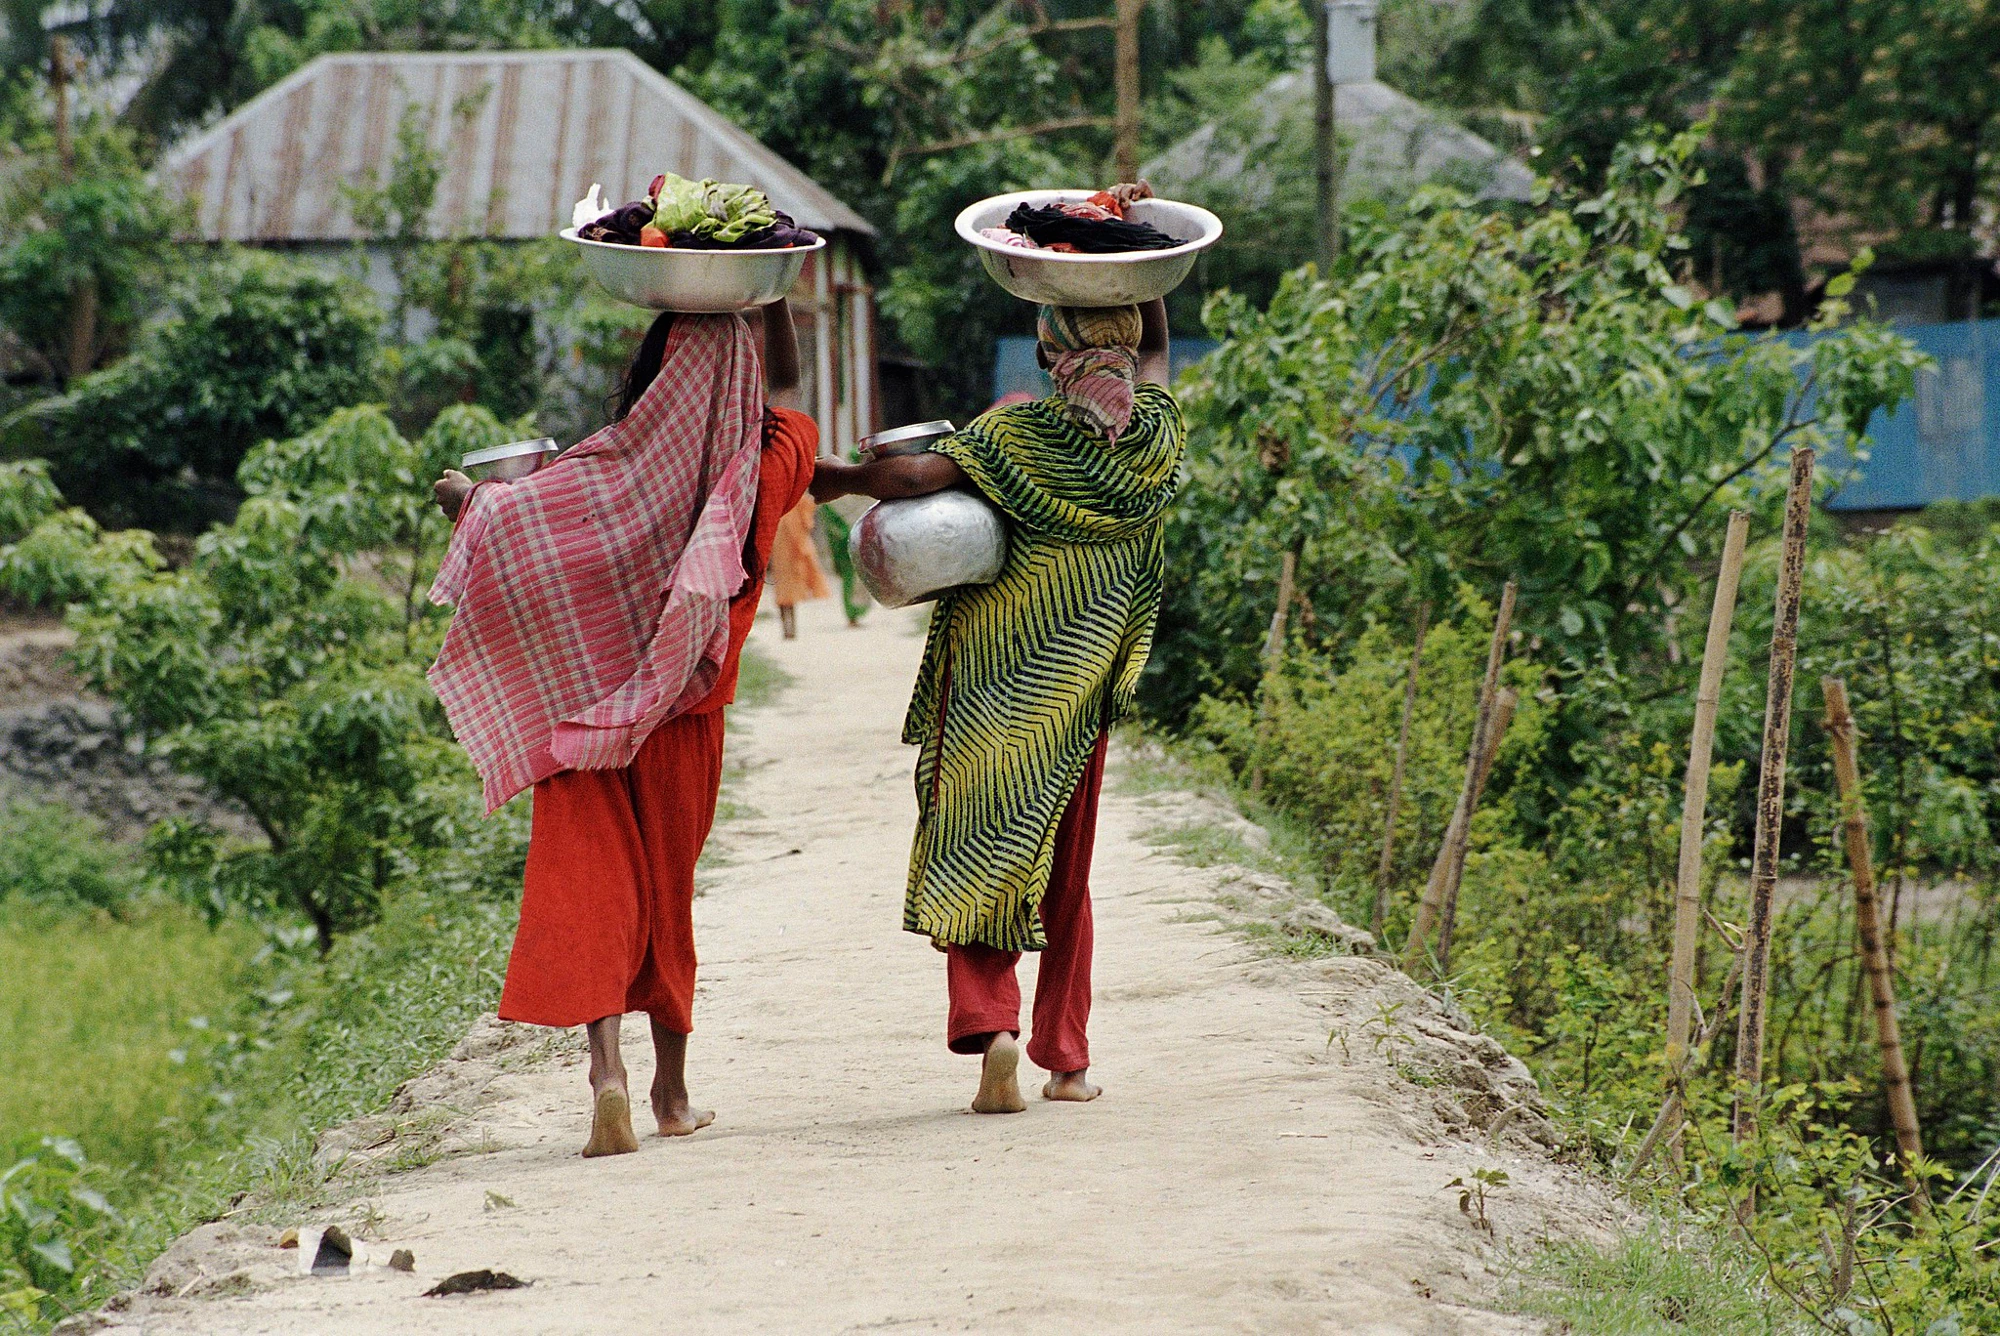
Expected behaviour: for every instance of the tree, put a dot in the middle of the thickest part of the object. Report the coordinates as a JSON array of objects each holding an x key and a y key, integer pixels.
[
  {"x": 284, "y": 668},
  {"x": 1475, "y": 398},
  {"x": 253, "y": 347},
  {"x": 79, "y": 223}
]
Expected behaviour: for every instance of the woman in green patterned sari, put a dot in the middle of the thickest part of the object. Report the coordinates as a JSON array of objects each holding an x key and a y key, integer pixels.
[{"x": 1022, "y": 678}]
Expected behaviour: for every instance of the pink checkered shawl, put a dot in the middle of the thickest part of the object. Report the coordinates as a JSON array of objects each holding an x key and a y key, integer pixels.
[{"x": 592, "y": 598}]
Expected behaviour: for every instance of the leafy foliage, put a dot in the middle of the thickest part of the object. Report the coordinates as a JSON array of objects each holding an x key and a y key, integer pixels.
[
  {"x": 1476, "y": 397},
  {"x": 284, "y": 668},
  {"x": 254, "y": 347}
]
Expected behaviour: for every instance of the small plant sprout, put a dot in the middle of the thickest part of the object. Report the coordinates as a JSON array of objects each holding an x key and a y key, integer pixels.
[{"x": 1472, "y": 1190}]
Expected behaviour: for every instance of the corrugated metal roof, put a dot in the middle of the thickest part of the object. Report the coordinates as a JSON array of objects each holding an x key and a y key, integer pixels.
[
  {"x": 1393, "y": 143},
  {"x": 547, "y": 125}
]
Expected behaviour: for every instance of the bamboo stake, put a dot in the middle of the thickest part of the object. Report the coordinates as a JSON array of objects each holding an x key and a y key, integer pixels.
[
  {"x": 1496, "y": 729},
  {"x": 1868, "y": 924},
  {"x": 1274, "y": 652},
  {"x": 1694, "y": 807},
  {"x": 1382, "y": 870},
  {"x": 1771, "y": 798},
  {"x": 1432, "y": 904}
]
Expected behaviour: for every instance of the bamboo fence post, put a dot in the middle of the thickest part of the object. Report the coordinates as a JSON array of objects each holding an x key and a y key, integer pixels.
[
  {"x": 1694, "y": 809},
  {"x": 1274, "y": 651},
  {"x": 1868, "y": 925},
  {"x": 1771, "y": 799},
  {"x": 1501, "y": 715},
  {"x": 1432, "y": 904},
  {"x": 1378, "y": 921}
]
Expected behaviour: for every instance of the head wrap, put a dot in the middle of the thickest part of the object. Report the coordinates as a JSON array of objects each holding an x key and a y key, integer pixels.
[{"x": 1093, "y": 354}]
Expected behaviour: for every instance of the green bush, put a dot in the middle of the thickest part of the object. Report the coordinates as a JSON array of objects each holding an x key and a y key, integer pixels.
[
  {"x": 285, "y": 668},
  {"x": 253, "y": 347},
  {"x": 53, "y": 855}
]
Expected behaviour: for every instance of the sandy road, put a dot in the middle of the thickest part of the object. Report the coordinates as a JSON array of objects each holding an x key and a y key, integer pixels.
[{"x": 1237, "y": 1176}]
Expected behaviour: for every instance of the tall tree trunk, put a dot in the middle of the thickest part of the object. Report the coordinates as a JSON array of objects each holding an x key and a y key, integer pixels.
[
  {"x": 1498, "y": 718},
  {"x": 1868, "y": 927},
  {"x": 1694, "y": 808},
  {"x": 1385, "y": 868},
  {"x": 1771, "y": 798},
  {"x": 1432, "y": 905}
]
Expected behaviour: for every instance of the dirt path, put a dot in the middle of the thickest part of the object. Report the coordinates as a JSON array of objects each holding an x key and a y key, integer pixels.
[{"x": 1240, "y": 1174}]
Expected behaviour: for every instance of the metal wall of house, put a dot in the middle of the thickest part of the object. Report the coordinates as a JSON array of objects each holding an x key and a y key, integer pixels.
[
  {"x": 835, "y": 308},
  {"x": 1943, "y": 445}
]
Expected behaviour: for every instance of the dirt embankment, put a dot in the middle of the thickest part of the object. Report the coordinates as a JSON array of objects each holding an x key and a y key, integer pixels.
[
  {"x": 1274, "y": 1150},
  {"x": 59, "y": 743}
]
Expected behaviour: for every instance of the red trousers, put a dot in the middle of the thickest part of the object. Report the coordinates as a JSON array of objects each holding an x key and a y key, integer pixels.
[
  {"x": 985, "y": 994},
  {"x": 607, "y": 912}
]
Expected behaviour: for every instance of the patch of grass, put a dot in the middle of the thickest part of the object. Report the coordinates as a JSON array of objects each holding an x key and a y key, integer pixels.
[
  {"x": 759, "y": 680},
  {"x": 1650, "y": 1285},
  {"x": 104, "y": 1022},
  {"x": 55, "y": 855},
  {"x": 1204, "y": 844}
]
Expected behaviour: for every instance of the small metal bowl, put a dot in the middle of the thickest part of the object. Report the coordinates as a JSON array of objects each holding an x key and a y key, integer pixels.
[
  {"x": 510, "y": 462},
  {"x": 911, "y": 440}
]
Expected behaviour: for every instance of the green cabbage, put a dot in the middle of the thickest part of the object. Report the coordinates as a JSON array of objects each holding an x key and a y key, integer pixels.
[
  {"x": 679, "y": 207},
  {"x": 711, "y": 209},
  {"x": 736, "y": 211}
]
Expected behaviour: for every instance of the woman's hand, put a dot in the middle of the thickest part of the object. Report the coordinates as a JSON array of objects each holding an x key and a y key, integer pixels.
[
  {"x": 1129, "y": 191},
  {"x": 830, "y": 480},
  {"x": 451, "y": 491}
]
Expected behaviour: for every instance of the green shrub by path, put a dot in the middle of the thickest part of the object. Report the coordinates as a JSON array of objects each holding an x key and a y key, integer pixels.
[{"x": 1651, "y": 1285}]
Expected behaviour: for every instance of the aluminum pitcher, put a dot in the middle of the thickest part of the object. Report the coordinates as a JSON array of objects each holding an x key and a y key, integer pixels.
[{"x": 923, "y": 547}]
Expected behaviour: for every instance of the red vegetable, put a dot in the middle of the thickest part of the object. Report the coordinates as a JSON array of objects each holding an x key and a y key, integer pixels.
[
  {"x": 1104, "y": 199},
  {"x": 653, "y": 190},
  {"x": 653, "y": 236}
]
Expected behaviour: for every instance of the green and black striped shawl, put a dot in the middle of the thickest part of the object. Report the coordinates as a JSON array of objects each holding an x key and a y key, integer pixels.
[{"x": 1020, "y": 676}]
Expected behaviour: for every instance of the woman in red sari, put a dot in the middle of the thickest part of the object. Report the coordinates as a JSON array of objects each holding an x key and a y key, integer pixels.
[{"x": 604, "y": 616}]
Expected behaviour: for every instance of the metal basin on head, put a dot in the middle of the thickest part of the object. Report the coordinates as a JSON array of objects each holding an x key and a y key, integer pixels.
[
  {"x": 1057, "y": 278},
  {"x": 694, "y": 282}
]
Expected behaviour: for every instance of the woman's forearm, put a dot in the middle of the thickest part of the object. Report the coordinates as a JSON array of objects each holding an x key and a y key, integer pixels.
[
  {"x": 781, "y": 349},
  {"x": 886, "y": 479},
  {"x": 1155, "y": 353}
]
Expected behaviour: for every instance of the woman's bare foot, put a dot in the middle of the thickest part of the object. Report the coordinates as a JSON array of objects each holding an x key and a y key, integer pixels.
[
  {"x": 611, "y": 1123},
  {"x": 1071, "y": 1087},
  {"x": 999, "y": 1084},
  {"x": 676, "y": 1118},
  {"x": 671, "y": 1109}
]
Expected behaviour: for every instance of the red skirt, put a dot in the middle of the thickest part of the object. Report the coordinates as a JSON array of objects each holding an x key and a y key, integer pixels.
[{"x": 607, "y": 911}]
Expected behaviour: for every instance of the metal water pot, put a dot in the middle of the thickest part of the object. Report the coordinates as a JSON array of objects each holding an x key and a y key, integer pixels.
[{"x": 922, "y": 547}]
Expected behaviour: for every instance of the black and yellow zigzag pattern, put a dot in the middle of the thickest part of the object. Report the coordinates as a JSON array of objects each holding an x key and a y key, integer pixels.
[{"x": 1021, "y": 675}]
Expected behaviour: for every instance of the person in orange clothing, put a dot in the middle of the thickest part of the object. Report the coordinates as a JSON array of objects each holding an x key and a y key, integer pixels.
[
  {"x": 606, "y": 924},
  {"x": 795, "y": 573}
]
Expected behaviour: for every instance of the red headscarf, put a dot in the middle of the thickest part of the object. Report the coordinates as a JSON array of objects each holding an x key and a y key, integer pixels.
[{"x": 592, "y": 598}]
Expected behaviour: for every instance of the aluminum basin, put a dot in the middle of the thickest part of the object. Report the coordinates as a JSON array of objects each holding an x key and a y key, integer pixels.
[
  {"x": 916, "y": 549},
  {"x": 696, "y": 282},
  {"x": 1056, "y": 278}
]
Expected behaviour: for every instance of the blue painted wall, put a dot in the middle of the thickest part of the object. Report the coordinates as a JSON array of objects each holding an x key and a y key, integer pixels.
[
  {"x": 1943, "y": 445},
  {"x": 1014, "y": 367}
]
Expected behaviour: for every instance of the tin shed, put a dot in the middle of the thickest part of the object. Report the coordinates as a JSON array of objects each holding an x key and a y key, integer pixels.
[{"x": 521, "y": 136}]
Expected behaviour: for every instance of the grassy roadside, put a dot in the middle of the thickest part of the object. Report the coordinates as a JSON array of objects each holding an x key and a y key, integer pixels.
[
  {"x": 1672, "y": 1280},
  {"x": 242, "y": 1046}
]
